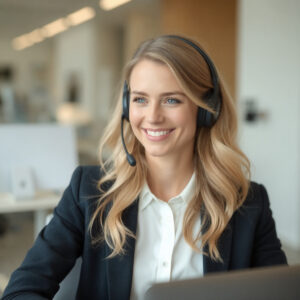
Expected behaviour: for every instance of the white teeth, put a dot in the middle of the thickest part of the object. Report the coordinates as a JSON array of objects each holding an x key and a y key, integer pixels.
[{"x": 157, "y": 133}]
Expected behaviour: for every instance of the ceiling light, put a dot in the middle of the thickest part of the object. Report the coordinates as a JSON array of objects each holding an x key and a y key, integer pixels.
[
  {"x": 110, "y": 4},
  {"x": 55, "y": 27},
  {"x": 21, "y": 42},
  {"x": 81, "y": 16},
  {"x": 36, "y": 36}
]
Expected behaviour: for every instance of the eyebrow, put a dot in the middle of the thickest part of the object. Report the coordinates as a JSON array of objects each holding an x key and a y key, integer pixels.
[{"x": 163, "y": 94}]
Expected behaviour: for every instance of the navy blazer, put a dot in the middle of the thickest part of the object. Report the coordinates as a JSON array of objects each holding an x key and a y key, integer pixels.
[{"x": 250, "y": 240}]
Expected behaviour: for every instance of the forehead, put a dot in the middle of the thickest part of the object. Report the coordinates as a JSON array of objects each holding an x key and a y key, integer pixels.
[{"x": 148, "y": 72}]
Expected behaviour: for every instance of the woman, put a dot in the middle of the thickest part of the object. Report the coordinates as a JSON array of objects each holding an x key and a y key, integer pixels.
[{"x": 179, "y": 206}]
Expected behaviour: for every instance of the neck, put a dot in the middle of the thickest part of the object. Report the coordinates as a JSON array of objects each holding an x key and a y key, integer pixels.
[{"x": 167, "y": 178}]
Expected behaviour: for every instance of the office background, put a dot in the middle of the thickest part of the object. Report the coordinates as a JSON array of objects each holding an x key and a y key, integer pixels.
[{"x": 72, "y": 77}]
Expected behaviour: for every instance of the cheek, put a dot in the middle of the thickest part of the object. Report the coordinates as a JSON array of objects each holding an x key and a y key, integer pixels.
[
  {"x": 134, "y": 116},
  {"x": 187, "y": 119},
  {"x": 135, "y": 120}
]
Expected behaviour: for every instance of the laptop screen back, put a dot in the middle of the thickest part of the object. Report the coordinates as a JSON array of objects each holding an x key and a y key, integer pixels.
[{"x": 272, "y": 283}]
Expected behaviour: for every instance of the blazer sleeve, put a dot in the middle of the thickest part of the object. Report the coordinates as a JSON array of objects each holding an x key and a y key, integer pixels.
[
  {"x": 54, "y": 251},
  {"x": 266, "y": 247}
]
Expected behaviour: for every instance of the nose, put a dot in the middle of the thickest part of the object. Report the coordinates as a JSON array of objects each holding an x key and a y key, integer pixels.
[{"x": 154, "y": 113}]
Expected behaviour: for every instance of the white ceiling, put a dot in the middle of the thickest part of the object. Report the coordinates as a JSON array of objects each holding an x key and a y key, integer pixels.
[{"x": 22, "y": 16}]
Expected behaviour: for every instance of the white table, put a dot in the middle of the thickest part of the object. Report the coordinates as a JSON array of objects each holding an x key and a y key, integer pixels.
[{"x": 39, "y": 205}]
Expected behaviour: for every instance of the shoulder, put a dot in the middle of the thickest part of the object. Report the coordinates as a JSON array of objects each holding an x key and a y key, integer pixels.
[
  {"x": 80, "y": 197},
  {"x": 87, "y": 173},
  {"x": 83, "y": 188},
  {"x": 85, "y": 179},
  {"x": 256, "y": 206},
  {"x": 257, "y": 196},
  {"x": 254, "y": 231}
]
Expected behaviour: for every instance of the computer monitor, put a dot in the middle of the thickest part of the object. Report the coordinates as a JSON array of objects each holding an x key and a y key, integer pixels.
[{"x": 47, "y": 151}]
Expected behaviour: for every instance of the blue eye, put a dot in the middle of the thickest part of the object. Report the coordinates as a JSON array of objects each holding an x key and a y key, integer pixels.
[
  {"x": 172, "y": 101},
  {"x": 139, "y": 100}
]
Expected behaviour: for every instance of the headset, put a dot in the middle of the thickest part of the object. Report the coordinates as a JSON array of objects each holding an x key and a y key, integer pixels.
[{"x": 212, "y": 98}]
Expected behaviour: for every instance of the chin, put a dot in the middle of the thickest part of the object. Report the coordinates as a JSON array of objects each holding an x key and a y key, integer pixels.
[{"x": 156, "y": 153}]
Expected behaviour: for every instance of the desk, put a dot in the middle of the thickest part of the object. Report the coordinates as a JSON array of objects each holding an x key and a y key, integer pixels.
[{"x": 39, "y": 205}]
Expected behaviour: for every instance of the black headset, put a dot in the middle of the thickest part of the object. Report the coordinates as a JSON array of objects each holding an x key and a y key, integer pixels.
[{"x": 204, "y": 117}]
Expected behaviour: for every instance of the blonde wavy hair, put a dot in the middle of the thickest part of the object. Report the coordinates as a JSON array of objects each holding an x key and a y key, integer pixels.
[{"x": 222, "y": 170}]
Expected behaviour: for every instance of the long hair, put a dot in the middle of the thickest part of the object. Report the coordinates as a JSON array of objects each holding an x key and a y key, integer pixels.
[{"x": 222, "y": 170}]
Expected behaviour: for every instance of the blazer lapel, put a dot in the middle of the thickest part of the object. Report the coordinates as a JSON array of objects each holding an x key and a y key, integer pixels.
[
  {"x": 224, "y": 247},
  {"x": 120, "y": 268}
]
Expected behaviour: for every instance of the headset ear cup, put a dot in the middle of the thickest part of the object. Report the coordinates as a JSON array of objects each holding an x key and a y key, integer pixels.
[
  {"x": 125, "y": 102},
  {"x": 201, "y": 117},
  {"x": 204, "y": 118}
]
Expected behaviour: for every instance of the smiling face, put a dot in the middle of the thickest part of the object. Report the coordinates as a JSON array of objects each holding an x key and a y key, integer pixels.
[{"x": 162, "y": 118}]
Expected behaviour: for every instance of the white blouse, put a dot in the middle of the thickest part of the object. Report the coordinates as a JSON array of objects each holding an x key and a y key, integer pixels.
[{"x": 161, "y": 252}]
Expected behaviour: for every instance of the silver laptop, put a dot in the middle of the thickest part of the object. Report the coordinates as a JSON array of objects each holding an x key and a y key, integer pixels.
[{"x": 271, "y": 283}]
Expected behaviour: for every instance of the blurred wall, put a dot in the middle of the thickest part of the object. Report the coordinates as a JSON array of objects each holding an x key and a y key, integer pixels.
[
  {"x": 269, "y": 75},
  {"x": 213, "y": 23},
  {"x": 25, "y": 62},
  {"x": 75, "y": 55},
  {"x": 109, "y": 55},
  {"x": 139, "y": 27},
  {"x": 92, "y": 52}
]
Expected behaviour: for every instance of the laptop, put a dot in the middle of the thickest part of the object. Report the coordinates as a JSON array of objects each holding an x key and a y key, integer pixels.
[{"x": 270, "y": 283}]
